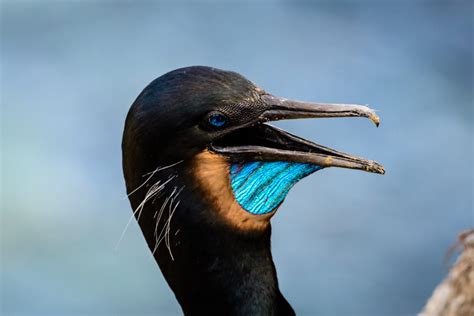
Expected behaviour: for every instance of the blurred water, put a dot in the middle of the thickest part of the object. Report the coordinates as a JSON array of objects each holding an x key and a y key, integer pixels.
[{"x": 344, "y": 242}]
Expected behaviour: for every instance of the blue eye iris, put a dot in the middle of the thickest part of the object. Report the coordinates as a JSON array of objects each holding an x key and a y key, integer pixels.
[{"x": 217, "y": 120}]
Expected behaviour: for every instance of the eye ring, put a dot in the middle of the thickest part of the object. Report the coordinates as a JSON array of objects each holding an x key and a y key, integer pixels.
[{"x": 217, "y": 120}]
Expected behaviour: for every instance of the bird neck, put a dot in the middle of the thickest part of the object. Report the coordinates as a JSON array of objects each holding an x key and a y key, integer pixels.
[
  {"x": 213, "y": 265},
  {"x": 217, "y": 271}
]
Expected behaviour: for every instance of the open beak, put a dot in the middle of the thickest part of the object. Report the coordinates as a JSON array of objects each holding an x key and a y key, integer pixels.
[{"x": 263, "y": 142}]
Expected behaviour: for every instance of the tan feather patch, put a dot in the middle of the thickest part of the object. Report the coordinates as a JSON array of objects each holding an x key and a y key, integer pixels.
[{"x": 212, "y": 173}]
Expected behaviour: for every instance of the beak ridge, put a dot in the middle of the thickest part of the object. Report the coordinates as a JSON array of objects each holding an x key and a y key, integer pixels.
[{"x": 281, "y": 109}]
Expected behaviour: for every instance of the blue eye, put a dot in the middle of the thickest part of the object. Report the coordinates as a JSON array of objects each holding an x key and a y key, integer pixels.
[{"x": 217, "y": 120}]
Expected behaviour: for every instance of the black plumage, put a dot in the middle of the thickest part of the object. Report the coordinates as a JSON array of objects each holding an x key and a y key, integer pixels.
[{"x": 214, "y": 254}]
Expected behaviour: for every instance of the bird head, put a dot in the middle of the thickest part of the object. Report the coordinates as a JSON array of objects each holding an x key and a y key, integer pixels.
[{"x": 204, "y": 132}]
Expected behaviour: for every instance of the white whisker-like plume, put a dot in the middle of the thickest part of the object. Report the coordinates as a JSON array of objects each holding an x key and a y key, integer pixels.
[
  {"x": 165, "y": 230},
  {"x": 153, "y": 191}
]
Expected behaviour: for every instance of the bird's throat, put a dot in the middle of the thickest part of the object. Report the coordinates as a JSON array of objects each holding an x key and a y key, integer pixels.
[
  {"x": 228, "y": 275},
  {"x": 246, "y": 194},
  {"x": 260, "y": 187}
]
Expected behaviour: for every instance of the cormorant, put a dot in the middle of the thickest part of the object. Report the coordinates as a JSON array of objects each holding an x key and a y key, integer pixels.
[{"x": 205, "y": 173}]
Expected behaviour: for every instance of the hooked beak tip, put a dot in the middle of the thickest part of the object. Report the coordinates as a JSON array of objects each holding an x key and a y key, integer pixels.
[
  {"x": 375, "y": 118},
  {"x": 376, "y": 168}
]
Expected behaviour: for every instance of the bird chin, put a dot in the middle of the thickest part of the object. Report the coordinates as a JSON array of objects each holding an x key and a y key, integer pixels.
[{"x": 266, "y": 162}]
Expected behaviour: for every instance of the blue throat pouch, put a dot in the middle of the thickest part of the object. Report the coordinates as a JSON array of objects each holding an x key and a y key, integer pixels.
[{"x": 260, "y": 186}]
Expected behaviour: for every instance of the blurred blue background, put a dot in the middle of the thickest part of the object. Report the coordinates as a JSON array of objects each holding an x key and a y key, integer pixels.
[{"x": 344, "y": 242}]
